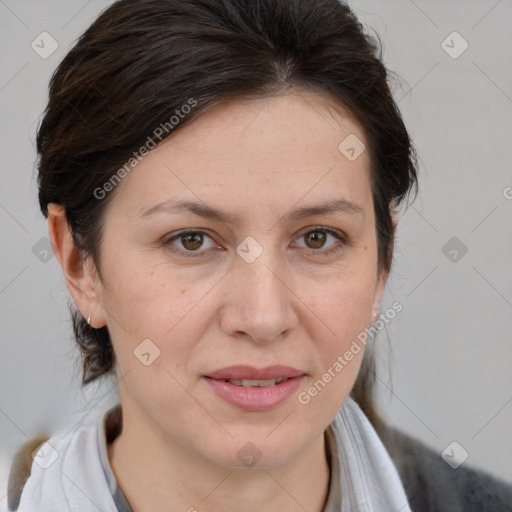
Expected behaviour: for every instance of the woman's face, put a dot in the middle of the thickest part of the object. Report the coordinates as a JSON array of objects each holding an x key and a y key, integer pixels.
[{"x": 280, "y": 271}]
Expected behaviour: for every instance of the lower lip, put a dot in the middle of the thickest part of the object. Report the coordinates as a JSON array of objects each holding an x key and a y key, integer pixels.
[{"x": 254, "y": 398}]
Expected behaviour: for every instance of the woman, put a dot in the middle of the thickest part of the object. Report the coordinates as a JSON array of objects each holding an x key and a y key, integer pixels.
[{"x": 221, "y": 181}]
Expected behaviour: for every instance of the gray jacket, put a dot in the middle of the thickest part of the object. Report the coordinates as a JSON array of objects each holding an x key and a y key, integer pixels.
[{"x": 432, "y": 485}]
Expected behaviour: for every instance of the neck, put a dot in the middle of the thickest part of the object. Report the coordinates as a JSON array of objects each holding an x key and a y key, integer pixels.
[{"x": 156, "y": 474}]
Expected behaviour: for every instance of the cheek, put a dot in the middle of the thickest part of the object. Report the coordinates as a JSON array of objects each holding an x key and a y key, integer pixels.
[
  {"x": 148, "y": 302},
  {"x": 148, "y": 299},
  {"x": 344, "y": 311},
  {"x": 344, "y": 308}
]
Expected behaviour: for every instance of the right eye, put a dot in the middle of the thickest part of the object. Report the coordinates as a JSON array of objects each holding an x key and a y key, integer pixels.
[{"x": 189, "y": 242}]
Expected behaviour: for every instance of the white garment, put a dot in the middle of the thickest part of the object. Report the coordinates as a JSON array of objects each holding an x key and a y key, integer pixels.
[
  {"x": 68, "y": 476},
  {"x": 368, "y": 477}
]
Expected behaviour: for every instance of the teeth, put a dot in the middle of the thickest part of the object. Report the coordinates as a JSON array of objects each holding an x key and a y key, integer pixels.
[{"x": 247, "y": 383}]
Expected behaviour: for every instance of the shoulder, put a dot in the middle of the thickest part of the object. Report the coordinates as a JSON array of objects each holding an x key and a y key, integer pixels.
[
  {"x": 432, "y": 485},
  {"x": 49, "y": 472},
  {"x": 20, "y": 469}
]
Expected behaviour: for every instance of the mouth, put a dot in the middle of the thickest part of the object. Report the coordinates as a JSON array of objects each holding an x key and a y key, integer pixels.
[
  {"x": 255, "y": 383},
  {"x": 249, "y": 373},
  {"x": 254, "y": 389}
]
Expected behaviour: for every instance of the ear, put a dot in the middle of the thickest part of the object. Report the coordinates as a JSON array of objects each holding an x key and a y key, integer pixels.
[
  {"x": 382, "y": 278},
  {"x": 80, "y": 273}
]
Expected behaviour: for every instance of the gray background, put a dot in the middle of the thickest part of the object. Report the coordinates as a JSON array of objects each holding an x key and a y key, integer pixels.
[{"x": 445, "y": 360}]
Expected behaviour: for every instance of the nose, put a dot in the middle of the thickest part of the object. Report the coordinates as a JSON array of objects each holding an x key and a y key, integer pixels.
[{"x": 259, "y": 300}]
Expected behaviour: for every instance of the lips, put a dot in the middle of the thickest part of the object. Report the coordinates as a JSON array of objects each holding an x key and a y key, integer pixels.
[
  {"x": 251, "y": 373},
  {"x": 253, "y": 389}
]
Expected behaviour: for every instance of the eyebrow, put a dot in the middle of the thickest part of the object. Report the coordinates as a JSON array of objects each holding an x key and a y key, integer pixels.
[{"x": 208, "y": 212}]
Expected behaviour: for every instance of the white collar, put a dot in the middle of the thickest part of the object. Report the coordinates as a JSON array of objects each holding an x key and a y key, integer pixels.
[{"x": 369, "y": 481}]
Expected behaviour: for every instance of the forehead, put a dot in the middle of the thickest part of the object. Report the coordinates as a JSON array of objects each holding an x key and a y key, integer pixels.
[{"x": 263, "y": 152}]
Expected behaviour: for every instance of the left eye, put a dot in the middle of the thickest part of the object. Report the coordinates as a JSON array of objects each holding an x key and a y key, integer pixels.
[{"x": 317, "y": 239}]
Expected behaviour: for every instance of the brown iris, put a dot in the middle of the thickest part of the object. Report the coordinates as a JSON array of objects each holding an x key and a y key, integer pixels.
[
  {"x": 317, "y": 239},
  {"x": 192, "y": 241}
]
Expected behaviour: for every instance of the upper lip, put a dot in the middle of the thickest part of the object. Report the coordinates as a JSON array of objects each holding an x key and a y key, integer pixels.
[{"x": 250, "y": 373}]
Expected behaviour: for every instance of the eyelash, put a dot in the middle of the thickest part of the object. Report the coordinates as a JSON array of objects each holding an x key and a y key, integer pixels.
[{"x": 342, "y": 240}]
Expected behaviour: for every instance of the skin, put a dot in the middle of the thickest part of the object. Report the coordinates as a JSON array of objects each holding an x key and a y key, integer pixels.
[{"x": 294, "y": 305}]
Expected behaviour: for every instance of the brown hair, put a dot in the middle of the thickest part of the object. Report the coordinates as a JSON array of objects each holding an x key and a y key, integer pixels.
[{"x": 142, "y": 60}]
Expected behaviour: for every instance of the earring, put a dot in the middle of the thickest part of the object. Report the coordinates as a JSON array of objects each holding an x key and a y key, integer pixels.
[
  {"x": 376, "y": 310},
  {"x": 89, "y": 320}
]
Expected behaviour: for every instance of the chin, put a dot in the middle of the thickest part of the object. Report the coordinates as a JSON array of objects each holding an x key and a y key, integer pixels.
[{"x": 245, "y": 454}]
